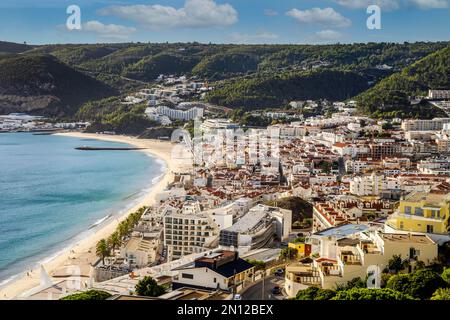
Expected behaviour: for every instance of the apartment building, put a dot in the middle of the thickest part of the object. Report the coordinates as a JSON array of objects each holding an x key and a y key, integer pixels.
[
  {"x": 439, "y": 94},
  {"x": 373, "y": 185},
  {"x": 422, "y": 213},
  {"x": 435, "y": 166},
  {"x": 348, "y": 209},
  {"x": 384, "y": 150},
  {"x": 175, "y": 114},
  {"x": 188, "y": 231},
  {"x": 345, "y": 255},
  {"x": 435, "y": 124},
  {"x": 210, "y": 126},
  {"x": 257, "y": 229}
]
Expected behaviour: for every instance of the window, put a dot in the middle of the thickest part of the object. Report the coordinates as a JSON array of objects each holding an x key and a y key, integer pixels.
[
  {"x": 215, "y": 280},
  {"x": 430, "y": 228},
  {"x": 418, "y": 212},
  {"x": 187, "y": 276},
  {"x": 407, "y": 210},
  {"x": 401, "y": 225}
]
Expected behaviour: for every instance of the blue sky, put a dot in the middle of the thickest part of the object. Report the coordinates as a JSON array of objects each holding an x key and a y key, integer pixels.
[{"x": 224, "y": 21}]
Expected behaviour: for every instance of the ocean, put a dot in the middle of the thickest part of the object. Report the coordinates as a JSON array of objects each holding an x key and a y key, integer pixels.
[{"x": 52, "y": 195}]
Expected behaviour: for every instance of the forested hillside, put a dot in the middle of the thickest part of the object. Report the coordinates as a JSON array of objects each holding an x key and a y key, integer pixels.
[
  {"x": 40, "y": 84},
  {"x": 247, "y": 76},
  {"x": 278, "y": 90},
  {"x": 390, "y": 97}
]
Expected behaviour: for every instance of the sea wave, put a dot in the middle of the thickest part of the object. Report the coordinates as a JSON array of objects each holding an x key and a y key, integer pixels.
[{"x": 100, "y": 221}]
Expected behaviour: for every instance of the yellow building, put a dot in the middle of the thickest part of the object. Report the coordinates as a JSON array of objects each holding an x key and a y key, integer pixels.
[
  {"x": 356, "y": 257},
  {"x": 303, "y": 250},
  {"x": 422, "y": 212}
]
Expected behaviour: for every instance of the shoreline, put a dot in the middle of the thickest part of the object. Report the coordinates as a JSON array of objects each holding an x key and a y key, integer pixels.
[{"x": 82, "y": 253}]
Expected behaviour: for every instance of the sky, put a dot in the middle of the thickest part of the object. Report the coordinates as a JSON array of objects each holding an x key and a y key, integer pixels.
[{"x": 224, "y": 21}]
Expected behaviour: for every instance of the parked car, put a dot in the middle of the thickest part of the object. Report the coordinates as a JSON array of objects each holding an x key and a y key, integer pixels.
[
  {"x": 237, "y": 297},
  {"x": 276, "y": 290},
  {"x": 279, "y": 272}
]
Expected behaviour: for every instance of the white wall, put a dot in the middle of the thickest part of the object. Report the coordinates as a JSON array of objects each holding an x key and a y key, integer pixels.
[{"x": 202, "y": 277}]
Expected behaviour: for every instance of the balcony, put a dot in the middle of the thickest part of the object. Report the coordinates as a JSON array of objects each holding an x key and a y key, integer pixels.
[
  {"x": 350, "y": 258},
  {"x": 303, "y": 274},
  {"x": 328, "y": 267}
]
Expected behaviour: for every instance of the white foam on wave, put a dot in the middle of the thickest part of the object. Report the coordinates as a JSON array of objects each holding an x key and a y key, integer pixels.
[{"x": 100, "y": 221}]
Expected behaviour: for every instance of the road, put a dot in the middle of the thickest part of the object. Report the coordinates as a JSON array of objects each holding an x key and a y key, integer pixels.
[{"x": 256, "y": 292}]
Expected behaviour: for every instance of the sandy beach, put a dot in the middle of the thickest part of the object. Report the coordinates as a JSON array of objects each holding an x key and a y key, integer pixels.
[{"x": 82, "y": 254}]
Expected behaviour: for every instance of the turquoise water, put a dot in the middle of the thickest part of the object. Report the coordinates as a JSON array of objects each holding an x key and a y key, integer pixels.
[{"x": 52, "y": 195}]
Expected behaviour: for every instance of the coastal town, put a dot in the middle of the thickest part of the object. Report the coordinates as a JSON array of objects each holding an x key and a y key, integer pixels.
[
  {"x": 203, "y": 159},
  {"x": 269, "y": 212}
]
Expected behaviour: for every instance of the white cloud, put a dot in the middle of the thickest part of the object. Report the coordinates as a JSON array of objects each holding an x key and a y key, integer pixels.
[
  {"x": 430, "y": 4},
  {"x": 328, "y": 34},
  {"x": 327, "y": 16},
  {"x": 194, "y": 14},
  {"x": 108, "y": 30},
  {"x": 390, "y": 5},
  {"x": 362, "y": 4},
  {"x": 260, "y": 37},
  {"x": 270, "y": 12}
]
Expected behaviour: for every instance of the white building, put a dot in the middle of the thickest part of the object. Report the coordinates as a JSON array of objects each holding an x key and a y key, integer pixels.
[
  {"x": 372, "y": 185},
  {"x": 139, "y": 252},
  {"x": 425, "y": 125},
  {"x": 188, "y": 231},
  {"x": 439, "y": 94},
  {"x": 219, "y": 270},
  {"x": 175, "y": 114},
  {"x": 257, "y": 228}
]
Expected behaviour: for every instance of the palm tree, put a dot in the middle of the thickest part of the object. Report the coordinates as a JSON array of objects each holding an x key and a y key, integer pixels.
[
  {"x": 102, "y": 250},
  {"x": 114, "y": 240},
  {"x": 123, "y": 229}
]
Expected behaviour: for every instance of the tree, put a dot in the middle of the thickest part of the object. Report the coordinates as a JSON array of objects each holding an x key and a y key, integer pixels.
[
  {"x": 398, "y": 282},
  {"x": 371, "y": 294},
  {"x": 289, "y": 253},
  {"x": 420, "y": 265},
  {"x": 441, "y": 294},
  {"x": 123, "y": 229},
  {"x": 149, "y": 288},
  {"x": 102, "y": 250},
  {"x": 114, "y": 240},
  {"x": 315, "y": 293},
  {"x": 420, "y": 284},
  {"x": 354, "y": 283},
  {"x": 395, "y": 263},
  {"x": 425, "y": 282},
  {"x": 88, "y": 295},
  {"x": 259, "y": 265},
  {"x": 446, "y": 275}
]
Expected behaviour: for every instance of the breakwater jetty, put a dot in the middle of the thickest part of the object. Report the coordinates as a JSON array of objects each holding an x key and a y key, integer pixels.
[{"x": 85, "y": 148}]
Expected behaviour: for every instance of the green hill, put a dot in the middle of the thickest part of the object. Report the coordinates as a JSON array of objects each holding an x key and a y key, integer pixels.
[
  {"x": 11, "y": 47},
  {"x": 390, "y": 97},
  {"x": 220, "y": 61},
  {"x": 279, "y": 89},
  {"x": 148, "y": 69},
  {"x": 40, "y": 84}
]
